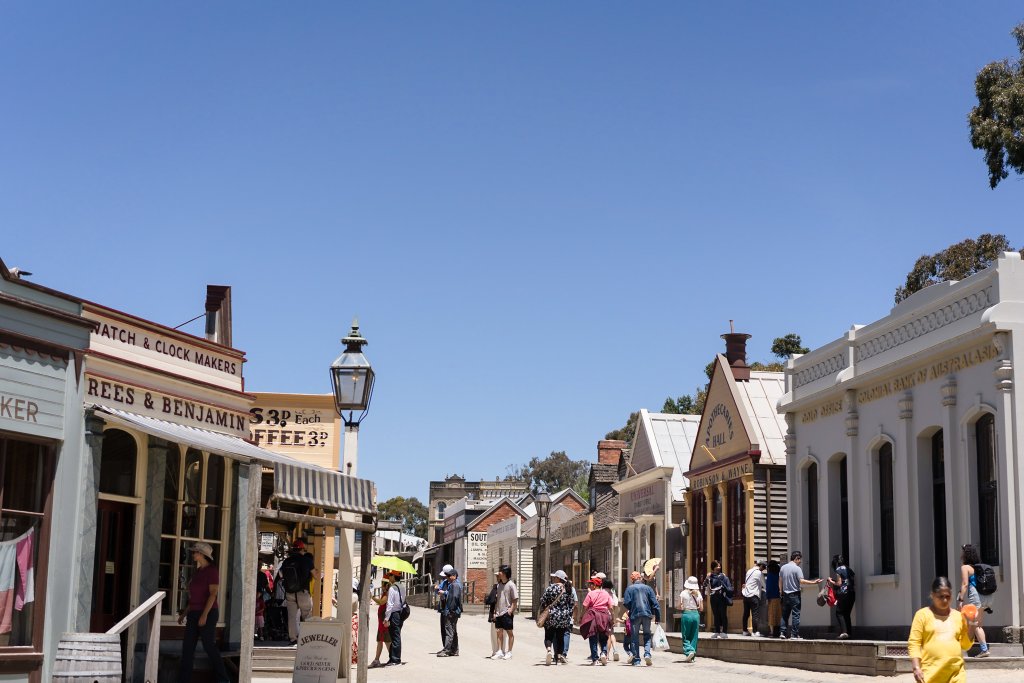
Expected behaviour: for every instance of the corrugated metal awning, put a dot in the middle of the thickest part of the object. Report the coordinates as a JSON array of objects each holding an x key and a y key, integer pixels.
[
  {"x": 298, "y": 483},
  {"x": 294, "y": 480}
]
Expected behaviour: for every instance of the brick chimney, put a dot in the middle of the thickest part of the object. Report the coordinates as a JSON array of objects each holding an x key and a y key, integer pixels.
[
  {"x": 736, "y": 353},
  {"x": 218, "y": 314},
  {"x": 609, "y": 450}
]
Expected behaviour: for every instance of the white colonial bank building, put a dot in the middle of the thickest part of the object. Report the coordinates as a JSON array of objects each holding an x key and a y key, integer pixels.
[{"x": 904, "y": 442}]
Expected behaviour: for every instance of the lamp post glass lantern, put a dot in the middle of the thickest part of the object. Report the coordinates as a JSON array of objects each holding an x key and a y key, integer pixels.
[{"x": 352, "y": 378}]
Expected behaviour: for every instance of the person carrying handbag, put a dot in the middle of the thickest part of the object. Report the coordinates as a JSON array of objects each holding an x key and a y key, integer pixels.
[
  {"x": 556, "y": 616},
  {"x": 720, "y": 588}
]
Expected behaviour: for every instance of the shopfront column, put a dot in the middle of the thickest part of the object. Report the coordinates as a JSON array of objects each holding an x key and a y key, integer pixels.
[
  {"x": 152, "y": 521},
  {"x": 1008, "y": 475},
  {"x": 956, "y": 512},
  {"x": 91, "y": 456},
  {"x": 908, "y": 507},
  {"x": 723, "y": 492},
  {"x": 709, "y": 525},
  {"x": 748, "y": 489}
]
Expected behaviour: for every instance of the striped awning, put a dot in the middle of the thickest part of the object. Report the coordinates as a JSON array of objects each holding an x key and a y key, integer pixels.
[
  {"x": 324, "y": 488},
  {"x": 294, "y": 480}
]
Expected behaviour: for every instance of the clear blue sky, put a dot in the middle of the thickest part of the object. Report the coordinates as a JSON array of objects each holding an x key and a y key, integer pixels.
[{"x": 544, "y": 213}]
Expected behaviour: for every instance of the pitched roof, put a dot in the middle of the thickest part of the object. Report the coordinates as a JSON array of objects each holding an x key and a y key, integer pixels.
[
  {"x": 603, "y": 473},
  {"x": 497, "y": 504},
  {"x": 666, "y": 440},
  {"x": 760, "y": 396}
]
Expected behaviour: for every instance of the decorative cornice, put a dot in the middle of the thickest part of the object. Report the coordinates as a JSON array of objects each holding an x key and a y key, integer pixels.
[
  {"x": 829, "y": 366},
  {"x": 1004, "y": 375},
  {"x": 929, "y": 322}
]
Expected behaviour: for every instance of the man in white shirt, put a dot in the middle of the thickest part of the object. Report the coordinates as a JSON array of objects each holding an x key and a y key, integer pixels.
[
  {"x": 508, "y": 601},
  {"x": 753, "y": 587},
  {"x": 393, "y": 618}
]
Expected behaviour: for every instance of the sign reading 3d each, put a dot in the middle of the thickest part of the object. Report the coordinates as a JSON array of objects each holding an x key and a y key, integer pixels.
[
  {"x": 645, "y": 500},
  {"x": 304, "y": 426}
]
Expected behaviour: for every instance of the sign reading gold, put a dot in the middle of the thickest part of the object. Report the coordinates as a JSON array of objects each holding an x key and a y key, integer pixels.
[
  {"x": 827, "y": 409},
  {"x": 904, "y": 382}
]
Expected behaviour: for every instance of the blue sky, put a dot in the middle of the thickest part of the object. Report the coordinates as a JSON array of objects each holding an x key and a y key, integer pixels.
[{"x": 544, "y": 214}]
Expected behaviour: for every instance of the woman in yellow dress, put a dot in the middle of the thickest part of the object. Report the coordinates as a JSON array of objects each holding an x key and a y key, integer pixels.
[{"x": 938, "y": 637}]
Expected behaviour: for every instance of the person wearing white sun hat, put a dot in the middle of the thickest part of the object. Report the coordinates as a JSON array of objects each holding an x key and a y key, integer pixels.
[{"x": 691, "y": 602}]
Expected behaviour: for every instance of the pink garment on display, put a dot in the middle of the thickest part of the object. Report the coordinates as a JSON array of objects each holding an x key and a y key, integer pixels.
[
  {"x": 25, "y": 589},
  {"x": 17, "y": 581}
]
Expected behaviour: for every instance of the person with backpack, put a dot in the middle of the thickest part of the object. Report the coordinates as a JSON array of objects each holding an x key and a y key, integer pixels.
[
  {"x": 720, "y": 589},
  {"x": 294, "y": 575},
  {"x": 395, "y": 614},
  {"x": 843, "y": 585},
  {"x": 641, "y": 604},
  {"x": 976, "y": 579}
]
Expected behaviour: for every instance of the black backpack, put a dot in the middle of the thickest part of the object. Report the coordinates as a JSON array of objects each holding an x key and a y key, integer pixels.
[
  {"x": 985, "y": 579},
  {"x": 290, "y": 576},
  {"x": 406, "y": 612}
]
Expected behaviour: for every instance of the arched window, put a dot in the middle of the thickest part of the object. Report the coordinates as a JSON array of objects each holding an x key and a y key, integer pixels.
[
  {"x": 939, "y": 502},
  {"x": 440, "y": 510},
  {"x": 813, "y": 547},
  {"x": 886, "y": 513},
  {"x": 117, "y": 463},
  {"x": 988, "y": 489}
]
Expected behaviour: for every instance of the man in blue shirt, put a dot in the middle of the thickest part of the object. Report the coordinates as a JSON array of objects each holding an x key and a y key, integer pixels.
[
  {"x": 451, "y": 610},
  {"x": 442, "y": 595},
  {"x": 641, "y": 603}
]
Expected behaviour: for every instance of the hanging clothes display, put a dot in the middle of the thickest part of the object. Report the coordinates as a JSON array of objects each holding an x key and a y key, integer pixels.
[{"x": 17, "y": 578}]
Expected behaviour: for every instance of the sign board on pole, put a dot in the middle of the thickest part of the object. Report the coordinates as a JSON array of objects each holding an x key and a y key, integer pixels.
[
  {"x": 477, "y": 557},
  {"x": 318, "y": 655}
]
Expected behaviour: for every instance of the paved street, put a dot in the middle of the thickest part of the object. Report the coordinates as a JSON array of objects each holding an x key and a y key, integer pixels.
[{"x": 422, "y": 638}]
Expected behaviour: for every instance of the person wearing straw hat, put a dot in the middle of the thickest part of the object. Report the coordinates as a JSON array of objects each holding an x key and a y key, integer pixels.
[
  {"x": 200, "y": 615},
  {"x": 691, "y": 602}
]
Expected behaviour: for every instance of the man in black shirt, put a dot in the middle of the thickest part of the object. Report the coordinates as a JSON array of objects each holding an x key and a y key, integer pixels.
[{"x": 295, "y": 573}]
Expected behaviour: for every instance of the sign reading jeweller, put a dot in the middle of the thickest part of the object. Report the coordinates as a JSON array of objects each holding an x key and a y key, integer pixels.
[
  {"x": 645, "y": 500},
  {"x": 318, "y": 654}
]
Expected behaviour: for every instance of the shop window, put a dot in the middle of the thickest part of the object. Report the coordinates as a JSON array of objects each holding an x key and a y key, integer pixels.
[
  {"x": 716, "y": 521},
  {"x": 26, "y": 481},
  {"x": 643, "y": 546},
  {"x": 196, "y": 508},
  {"x": 737, "y": 533},
  {"x": 939, "y": 503},
  {"x": 117, "y": 463},
  {"x": 886, "y": 511},
  {"x": 988, "y": 489},
  {"x": 813, "y": 547}
]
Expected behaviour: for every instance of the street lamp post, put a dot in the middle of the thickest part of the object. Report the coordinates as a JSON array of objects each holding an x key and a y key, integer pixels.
[
  {"x": 542, "y": 501},
  {"x": 352, "y": 380}
]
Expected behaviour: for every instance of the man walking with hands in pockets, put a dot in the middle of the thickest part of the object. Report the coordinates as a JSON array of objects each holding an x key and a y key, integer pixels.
[{"x": 508, "y": 601}]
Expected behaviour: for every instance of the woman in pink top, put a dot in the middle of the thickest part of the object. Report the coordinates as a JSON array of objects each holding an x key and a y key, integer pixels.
[{"x": 597, "y": 620}]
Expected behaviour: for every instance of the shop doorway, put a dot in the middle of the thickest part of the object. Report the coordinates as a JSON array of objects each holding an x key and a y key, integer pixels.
[{"x": 112, "y": 575}]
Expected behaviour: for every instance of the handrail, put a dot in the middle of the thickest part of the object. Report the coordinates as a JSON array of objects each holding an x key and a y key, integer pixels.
[
  {"x": 137, "y": 613},
  {"x": 152, "y": 607}
]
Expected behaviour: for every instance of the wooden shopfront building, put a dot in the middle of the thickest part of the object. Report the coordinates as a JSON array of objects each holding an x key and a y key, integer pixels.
[{"x": 737, "y": 477}]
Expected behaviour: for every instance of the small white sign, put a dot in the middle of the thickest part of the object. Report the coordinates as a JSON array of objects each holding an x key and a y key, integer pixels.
[
  {"x": 267, "y": 542},
  {"x": 477, "y": 550},
  {"x": 318, "y": 655}
]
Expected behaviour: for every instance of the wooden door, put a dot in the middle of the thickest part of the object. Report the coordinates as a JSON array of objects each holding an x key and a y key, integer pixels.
[{"x": 112, "y": 576}]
